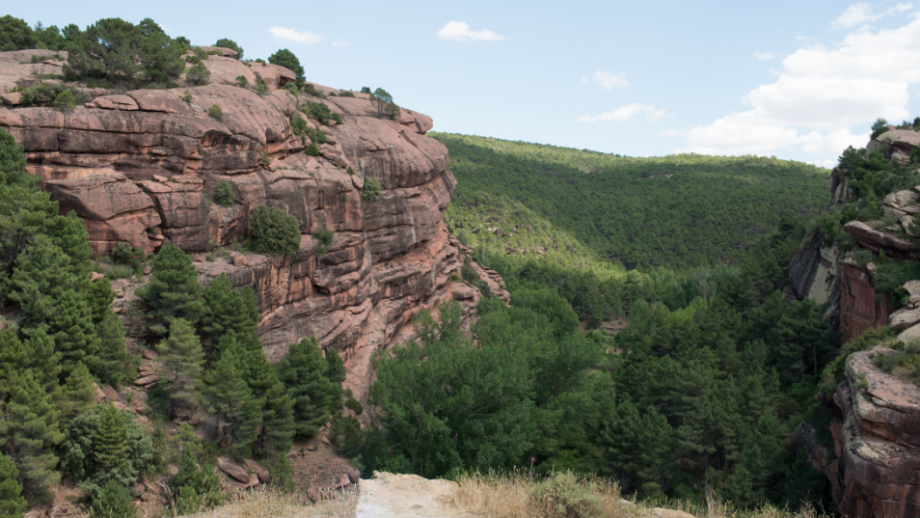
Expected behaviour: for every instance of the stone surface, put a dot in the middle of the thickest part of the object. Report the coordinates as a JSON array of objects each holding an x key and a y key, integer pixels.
[
  {"x": 903, "y": 319},
  {"x": 878, "y": 441},
  {"x": 234, "y": 470},
  {"x": 859, "y": 308},
  {"x": 876, "y": 241},
  {"x": 142, "y": 167},
  {"x": 901, "y": 203}
]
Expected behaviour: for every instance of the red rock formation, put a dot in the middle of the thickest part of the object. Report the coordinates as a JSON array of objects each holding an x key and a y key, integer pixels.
[
  {"x": 859, "y": 308},
  {"x": 878, "y": 442},
  {"x": 141, "y": 167}
]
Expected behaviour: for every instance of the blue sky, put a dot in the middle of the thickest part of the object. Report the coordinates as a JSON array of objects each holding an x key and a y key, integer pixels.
[{"x": 799, "y": 80}]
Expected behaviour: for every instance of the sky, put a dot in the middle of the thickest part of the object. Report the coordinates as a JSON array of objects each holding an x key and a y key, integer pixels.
[{"x": 799, "y": 80}]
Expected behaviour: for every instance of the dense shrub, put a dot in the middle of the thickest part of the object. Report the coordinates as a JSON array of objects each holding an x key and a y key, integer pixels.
[
  {"x": 346, "y": 94},
  {"x": 242, "y": 82},
  {"x": 310, "y": 89},
  {"x": 65, "y": 101},
  {"x": 215, "y": 112},
  {"x": 320, "y": 112},
  {"x": 318, "y": 136},
  {"x": 230, "y": 44},
  {"x": 113, "y": 502},
  {"x": 274, "y": 231},
  {"x": 324, "y": 235},
  {"x": 198, "y": 75},
  {"x": 371, "y": 190},
  {"x": 128, "y": 255},
  {"x": 312, "y": 149},
  {"x": 50, "y": 94},
  {"x": 287, "y": 59},
  {"x": 299, "y": 126},
  {"x": 223, "y": 193},
  {"x": 261, "y": 88}
]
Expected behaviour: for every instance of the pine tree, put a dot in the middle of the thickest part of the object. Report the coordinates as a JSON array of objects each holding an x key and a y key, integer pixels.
[
  {"x": 29, "y": 432},
  {"x": 229, "y": 399},
  {"x": 12, "y": 504},
  {"x": 277, "y": 422},
  {"x": 183, "y": 362},
  {"x": 227, "y": 310},
  {"x": 203, "y": 481},
  {"x": 303, "y": 372},
  {"x": 71, "y": 327},
  {"x": 110, "y": 444},
  {"x": 99, "y": 296},
  {"x": 111, "y": 361},
  {"x": 78, "y": 393},
  {"x": 69, "y": 234},
  {"x": 41, "y": 276},
  {"x": 173, "y": 290},
  {"x": 335, "y": 372},
  {"x": 113, "y": 502},
  {"x": 45, "y": 362}
]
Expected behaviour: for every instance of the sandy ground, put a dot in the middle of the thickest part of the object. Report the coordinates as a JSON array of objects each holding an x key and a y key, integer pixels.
[{"x": 405, "y": 496}]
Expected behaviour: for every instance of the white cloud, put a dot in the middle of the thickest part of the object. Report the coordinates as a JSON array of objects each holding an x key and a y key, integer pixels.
[
  {"x": 283, "y": 33},
  {"x": 763, "y": 56},
  {"x": 823, "y": 100},
  {"x": 341, "y": 43},
  {"x": 627, "y": 112},
  {"x": 460, "y": 31},
  {"x": 608, "y": 80},
  {"x": 862, "y": 13}
]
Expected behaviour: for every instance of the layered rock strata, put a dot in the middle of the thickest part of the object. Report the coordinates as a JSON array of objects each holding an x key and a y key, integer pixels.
[{"x": 141, "y": 167}]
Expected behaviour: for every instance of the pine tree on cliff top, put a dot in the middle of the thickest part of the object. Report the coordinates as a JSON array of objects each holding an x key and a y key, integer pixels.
[
  {"x": 229, "y": 310},
  {"x": 12, "y": 504}
]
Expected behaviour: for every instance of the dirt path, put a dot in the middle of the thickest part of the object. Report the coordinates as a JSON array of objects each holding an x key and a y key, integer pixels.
[{"x": 405, "y": 496}]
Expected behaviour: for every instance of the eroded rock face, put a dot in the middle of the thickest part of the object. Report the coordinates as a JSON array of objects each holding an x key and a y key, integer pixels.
[
  {"x": 878, "y": 442},
  {"x": 142, "y": 167},
  {"x": 860, "y": 309}
]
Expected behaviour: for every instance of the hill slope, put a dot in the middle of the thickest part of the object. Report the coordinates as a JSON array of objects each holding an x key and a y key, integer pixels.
[{"x": 678, "y": 211}]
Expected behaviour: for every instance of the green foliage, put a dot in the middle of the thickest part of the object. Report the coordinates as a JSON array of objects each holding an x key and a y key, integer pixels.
[
  {"x": 113, "y": 502},
  {"x": 198, "y": 75},
  {"x": 303, "y": 372},
  {"x": 173, "y": 289},
  {"x": 288, "y": 60},
  {"x": 128, "y": 255},
  {"x": 183, "y": 362},
  {"x": 223, "y": 194},
  {"x": 230, "y": 44},
  {"x": 55, "y": 95},
  {"x": 383, "y": 101},
  {"x": 198, "y": 488},
  {"x": 106, "y": 446},
  {"x": 324, "y": 235},
  {"x": 216, "y": 113},
  {"x": 78, "y": 393},
  {"x": 299, "y": 126},
  {"x": 12, "y": 504},
  {"x": 564, "y": 495},
  {"x": 242, "y": 82},
  {"x": 346, "y": 93},
  {"x": 351, "y": 170},
  {"x": 111, "y": 364},
  {"x": 312, "y": 149},
  {"x": 878, "y": 127},
  {"x": 13, "y": 162},
  {"x": 577, "y": 206},
  {"x": 274, "y": 231},
  {"x": 29, "y": 433},
  {"x": 113, "y": 51},
  {"x": 15, "y": 34},
  {"x": 310, "y": 89},
  {"x": 371, "y": 190},
  {"x": 365, "y": 89},
  {"x": 319, "y": 111},
  {"x": 229, "y": 399}
]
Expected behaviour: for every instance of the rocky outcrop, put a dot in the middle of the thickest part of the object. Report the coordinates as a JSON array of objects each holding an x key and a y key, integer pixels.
[
  {"x": 142, "y": 166},
  {"x": 877, "y": 241},
  {"x": 860, "y": 309},
  {"x": 878, "y": 443}
]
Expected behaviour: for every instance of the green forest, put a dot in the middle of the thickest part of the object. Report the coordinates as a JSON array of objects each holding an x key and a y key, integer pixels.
[{"x": 677, "y": 211}]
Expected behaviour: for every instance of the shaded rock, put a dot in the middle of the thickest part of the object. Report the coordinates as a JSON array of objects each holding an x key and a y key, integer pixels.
[
  {"x": 313, "y": 495},
  {"x": 146, "y": 380},
  {"x": 11, "y": 98},
  {"x": 876, "y": 241},
  {"x": 903, "y": 319},
  {"x": 99, "y": 394},
  {"x": 860, "y": 309},
  {"x": 238, "y": 259},
  {"x": 111, "y": 394},
  {"x": 234, "y": 470},
  {"x": 256, "y": 469}
]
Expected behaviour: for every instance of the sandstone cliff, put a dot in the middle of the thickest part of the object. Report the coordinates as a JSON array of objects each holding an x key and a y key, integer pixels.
[{"x": 141, "y": 167}]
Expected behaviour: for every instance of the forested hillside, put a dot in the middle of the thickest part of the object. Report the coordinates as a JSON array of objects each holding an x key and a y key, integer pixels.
[{"x": 678, "y": 211}]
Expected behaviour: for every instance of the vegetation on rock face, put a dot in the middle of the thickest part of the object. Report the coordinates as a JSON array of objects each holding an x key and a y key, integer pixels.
[
  {"x": 274, "y": 231},
  {"x": 288, "y": 60},
  {"x": 230, "y": 44},
  {"x": 223, "y": 194},
  {"x": 371, "y": 190},
  {"x": 198, "y": 74}
]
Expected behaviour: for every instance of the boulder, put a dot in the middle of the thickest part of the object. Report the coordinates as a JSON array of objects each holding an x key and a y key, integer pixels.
[
  {"x": 224, "y": 51},
  {"x": 146, "y": 380},
  {"x": 234, "y": 470},
  {"x": 876, "y": 241},
  {"x": 114, "y": 102},
  {"x": 11, "y": 98}
]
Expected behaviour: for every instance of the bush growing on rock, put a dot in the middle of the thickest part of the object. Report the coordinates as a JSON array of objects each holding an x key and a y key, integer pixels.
[
  {"x": 347, "y": 93},
  {"x": 320, "y": 112},
  {"x": 312, "y": 149},
  {"x": 261, "y": 88},
  {"x": 371, "y": 190},
  {"x": 223, "y": 194},
  {"x": 51, "y": 94},
  {"x": 216, "y": 113},
  {"x": 299, "y": 126},
  {"x": 288, "y": 60},
  {"x": 230, "y": 44},
  {"x": 274, "y": 231},
  {"x": 128, "y": 255},
  {"x": 242, "y": 82},
  {"x": 198, "y": 75},
  {"x": 65, "y": 102},
  {"x": 324, "y": 235}
]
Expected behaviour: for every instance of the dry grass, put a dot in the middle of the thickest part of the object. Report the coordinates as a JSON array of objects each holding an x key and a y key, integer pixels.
[
  {"x": 521, "y": 495},
  {"x": 269, "y": 504}
]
